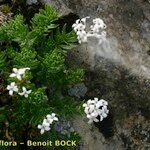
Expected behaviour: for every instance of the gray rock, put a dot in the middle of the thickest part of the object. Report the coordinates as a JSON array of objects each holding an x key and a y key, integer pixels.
[
  {"x": 119, "y": 70},
  {"x": 147, "y": 13},
  {"x": 64, "y": 127},
  {"x": 93, "y": 139},
  {"x": 145, "y": 28},
  {"x": 129, "y": 50},
  {"x": 59, "y": 5},
  {"x": 78, "y": 90},
  {"x": 30, "y": 2}
]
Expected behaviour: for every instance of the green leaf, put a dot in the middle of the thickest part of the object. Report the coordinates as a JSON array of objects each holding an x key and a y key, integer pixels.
[
  {"x": 53, "y": 62},
  {"x": 44, "y": 18},
  {"x": 14, "y": 30},
  {"x": 26, "y": 58},
  {"x": 65, "y": 40},
  {"x": 2, "y": 118},
  {"x": 52, "y": 26},
  {"x": 75, "y": 76},
  {"x": 2, "y": 61},
  {"x": 68, "y": 47}
]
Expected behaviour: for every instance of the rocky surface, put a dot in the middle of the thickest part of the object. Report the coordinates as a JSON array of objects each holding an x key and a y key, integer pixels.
[
  {"x": 93, "y": 139},
  {"x": 59, "y": 5},
  {"x": 128, "y": 31},
  {"x": 118, "y": 71}
]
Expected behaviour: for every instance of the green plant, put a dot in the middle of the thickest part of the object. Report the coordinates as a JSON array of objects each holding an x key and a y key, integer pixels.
[
  {"x": 2, "y": 61},
  {"x": 42, "y": 46}
]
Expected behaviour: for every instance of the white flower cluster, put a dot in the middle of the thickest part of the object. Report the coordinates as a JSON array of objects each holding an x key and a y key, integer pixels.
[
  {"x": 45, "y": 126},
  {"x": 18, "y": 73},
  {"x": 96, "y": 30},
  {"x": 79, "y": 27},
  {"x": 95, "y": 108}
]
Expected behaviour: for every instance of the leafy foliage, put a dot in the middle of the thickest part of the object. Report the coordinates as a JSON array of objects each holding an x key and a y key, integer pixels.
[
  {"x": 64, "y": 40},
  {"x": 42, "y": 46},
  {"x": 2, "y": 61},
  {"x": 75, "y": 76},
  {"x": 26, "y": 58},
  {"x": 70, "y": 106},
  {"x": 54, "y": 62},
  {"x": 44, "y": 18},
  {"x": 14, "y": 30},
  {"x": 23, "y": 108}
]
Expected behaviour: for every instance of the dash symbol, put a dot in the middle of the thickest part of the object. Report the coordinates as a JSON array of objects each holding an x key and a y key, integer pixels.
[{"x": 21, "y": 143}]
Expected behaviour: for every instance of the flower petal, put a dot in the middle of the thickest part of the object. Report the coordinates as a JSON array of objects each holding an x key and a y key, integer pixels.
[
  {"x": 55, "y": 118},
  {"x": 49, "y": 120},
  {"x": 8, "y": 87},
  {"x": 90, "y": 121},
  {"x": 15, "y": 70},
  {"x": 96, "y": 120},
  {"x": 47, "y": 128},
  {"x": 28, "y": 92},
  {"x": 12, "y": 75},
  {"x": 15, "y": 89},
  {"x": 22, "y": 71},
  {"x": 23, "y": 88},
  {"x": 40, "y": 126},
  {"x": 53, "y": 114},
  {"x": 25, "y": 95},
  {"x": 11, "y": 92},
  {"x": 42, "y": 131},
  {"x": 48, "y": 116},
  {"x": 18, "y": 76},
  {"x": 12, "y": 84},
  {"x": 21, "y": 93}
]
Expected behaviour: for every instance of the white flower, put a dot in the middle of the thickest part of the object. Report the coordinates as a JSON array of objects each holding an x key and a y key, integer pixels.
[
  {"x": 79, "y": 28},
  {"x": 51, "y": 118},
  {"x": 25, "y": 93},
  {"x": 82, "y": 36},
  {"x": 18, "y": 72},
  {"x": 12, "y": 88},
  {"x": 105, "y": 103},
  {"x": 88, "y": 103},
  {"x": 47, "y": 122},
  {"x": 83, "y": 20},
  {"x": 80, "y": 24},
  {"x": 23, "y": 70},
  {"x": 99, "y": 22},
  {"x": 44, "y": 127},
  {"x": 95, "y": 108},
  {"x": 96, "y": 30},
  {"x": 91, "y": 120}
]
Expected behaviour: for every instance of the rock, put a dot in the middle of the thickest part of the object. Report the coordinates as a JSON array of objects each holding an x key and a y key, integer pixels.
[
  {"x": 127, "y": 18},
  {"x": 147, "y": 13},
  {"x": 78, "y": 90},
  {"x": 30, "y": 2},
  {"x": 59, "y": 5},
  {"x": 119, "y": 70},
  {"x": 145, "y": 28},
  {"x": 136, "y": 132},
  {"x": 93, "y": 139}
]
